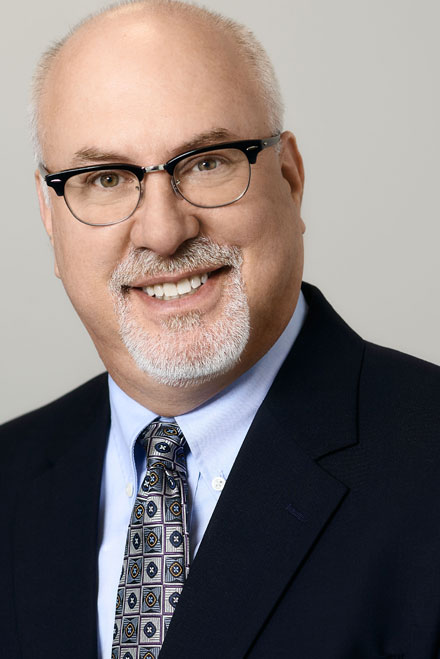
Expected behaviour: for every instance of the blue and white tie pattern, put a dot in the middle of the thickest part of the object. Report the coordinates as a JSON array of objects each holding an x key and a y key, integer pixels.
[{"x": 156, "y": 559}]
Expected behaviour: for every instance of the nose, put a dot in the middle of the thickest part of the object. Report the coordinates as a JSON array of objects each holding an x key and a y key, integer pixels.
[{"x": 163, "y": 220}]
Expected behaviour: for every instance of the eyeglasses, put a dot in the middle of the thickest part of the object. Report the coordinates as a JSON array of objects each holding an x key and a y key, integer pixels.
[{"x": 210, "y": 177}]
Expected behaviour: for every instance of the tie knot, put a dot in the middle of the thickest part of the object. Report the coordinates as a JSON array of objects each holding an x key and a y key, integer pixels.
[{"x": 164, "y": 444}]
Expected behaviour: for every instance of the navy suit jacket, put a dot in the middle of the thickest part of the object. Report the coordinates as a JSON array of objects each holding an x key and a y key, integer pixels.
[{"x": 325, "y": 543}]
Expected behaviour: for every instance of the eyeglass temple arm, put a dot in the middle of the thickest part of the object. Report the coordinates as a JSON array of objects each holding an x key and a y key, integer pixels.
[
  {"x": 253, "y": 151},
  {"x": 56, "y": 184}
]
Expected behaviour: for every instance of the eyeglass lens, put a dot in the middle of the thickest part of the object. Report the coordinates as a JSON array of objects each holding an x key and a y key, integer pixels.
[{"x": 214, "y": 178}]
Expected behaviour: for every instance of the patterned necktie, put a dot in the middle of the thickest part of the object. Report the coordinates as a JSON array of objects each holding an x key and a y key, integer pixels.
[{"x": 156, "y": 559}]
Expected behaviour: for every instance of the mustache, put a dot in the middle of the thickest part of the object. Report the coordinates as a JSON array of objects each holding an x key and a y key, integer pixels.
[{"x": 200, "y": 252}]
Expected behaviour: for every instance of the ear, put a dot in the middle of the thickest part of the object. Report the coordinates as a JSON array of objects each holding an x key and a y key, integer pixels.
[
  {"x": 292, "y": 169},
  {"x": 45, "y": 212},
  {"x": 292, "y": 166}
]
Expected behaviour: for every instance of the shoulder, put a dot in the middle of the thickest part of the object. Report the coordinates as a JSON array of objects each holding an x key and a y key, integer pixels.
[
  {"x": 399, "y": 421},
  {"x": 397, "y": 385},
  {"x": 388, "y": 396},
  {"x": 46, "y": 426},
  {"x": 83, "y": 398},
  {"x": 387, "y": 375}
]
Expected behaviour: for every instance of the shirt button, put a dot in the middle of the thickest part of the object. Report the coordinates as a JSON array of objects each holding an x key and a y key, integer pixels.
[
  {"x": 218, "y": 483},
  {"x": 129, "y": 489}
]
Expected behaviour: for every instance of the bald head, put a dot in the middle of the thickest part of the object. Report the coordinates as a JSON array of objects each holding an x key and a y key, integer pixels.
[
  {"x": 161, "y": 32},
  {"x": 133, "y": 90}
]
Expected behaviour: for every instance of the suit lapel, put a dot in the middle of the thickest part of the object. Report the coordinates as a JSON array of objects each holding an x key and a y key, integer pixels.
[
  {"x": 266, "y": 521},
  {"x": 56, "y": 539},
  {"x": 278, "y": 500}
]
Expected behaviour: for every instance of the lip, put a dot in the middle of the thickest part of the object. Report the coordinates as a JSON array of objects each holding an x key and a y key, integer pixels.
[
  {"x": 204, "y": 299},
  {"x": 174, "y": 278}
]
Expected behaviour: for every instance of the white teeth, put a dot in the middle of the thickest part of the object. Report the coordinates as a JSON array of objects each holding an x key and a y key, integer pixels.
[
  {"x": 183, "y": 286},
  {"x": 171, "y": 291}
]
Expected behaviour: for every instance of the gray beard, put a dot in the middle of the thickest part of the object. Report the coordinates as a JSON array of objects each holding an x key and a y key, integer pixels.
[{"x": 189, "y": 349}]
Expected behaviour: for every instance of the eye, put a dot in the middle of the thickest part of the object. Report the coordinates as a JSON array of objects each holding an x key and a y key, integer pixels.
[
  {"x": 207, "y": 164},
  {"x": 107, "y": 180}
]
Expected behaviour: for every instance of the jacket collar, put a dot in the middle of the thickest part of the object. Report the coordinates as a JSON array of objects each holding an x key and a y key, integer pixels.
[{"x": 317, "y": 386}]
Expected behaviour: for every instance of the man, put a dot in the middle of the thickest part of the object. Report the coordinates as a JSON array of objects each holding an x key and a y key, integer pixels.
[{"x": 307, "y": 459}]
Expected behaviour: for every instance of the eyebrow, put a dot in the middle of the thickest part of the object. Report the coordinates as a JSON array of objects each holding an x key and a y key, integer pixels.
[
  {"x": 207, "y": 138},
  {"x": 92, "y": 154},
  {"x": 89, "y": 154}
]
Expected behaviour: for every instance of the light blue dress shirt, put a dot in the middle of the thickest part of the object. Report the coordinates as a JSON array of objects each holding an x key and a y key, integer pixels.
[{"x": 214, "y": 433}]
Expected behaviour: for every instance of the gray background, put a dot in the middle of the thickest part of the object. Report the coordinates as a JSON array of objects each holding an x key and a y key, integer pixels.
[{"x": 361, "y": 83}]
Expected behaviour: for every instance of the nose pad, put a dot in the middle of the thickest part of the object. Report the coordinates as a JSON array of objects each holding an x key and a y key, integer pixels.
[
  {"x": 176, "y": 190},
  {"x": 141, "y": 193}
]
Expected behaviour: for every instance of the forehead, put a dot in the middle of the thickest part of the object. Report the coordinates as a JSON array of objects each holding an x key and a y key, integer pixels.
[{"x": 145, "y": 85}]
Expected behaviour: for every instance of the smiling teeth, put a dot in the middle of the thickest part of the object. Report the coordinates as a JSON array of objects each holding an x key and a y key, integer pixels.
[{"x": 172, "y": 291}]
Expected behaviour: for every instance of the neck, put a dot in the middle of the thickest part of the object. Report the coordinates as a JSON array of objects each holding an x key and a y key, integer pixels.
[{"x": 171, "y": 401}]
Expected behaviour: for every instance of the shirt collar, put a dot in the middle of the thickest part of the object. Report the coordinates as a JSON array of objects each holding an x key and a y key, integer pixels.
[{"x": 128, "y": 417}]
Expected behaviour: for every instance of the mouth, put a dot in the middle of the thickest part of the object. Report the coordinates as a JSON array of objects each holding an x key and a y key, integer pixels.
[
  {"x": 177, "y": 289},
  {"x": 170, "y": 290}
]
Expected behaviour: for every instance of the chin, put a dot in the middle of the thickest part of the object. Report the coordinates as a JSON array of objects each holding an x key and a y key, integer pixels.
[{"x": 189, "y": 350}]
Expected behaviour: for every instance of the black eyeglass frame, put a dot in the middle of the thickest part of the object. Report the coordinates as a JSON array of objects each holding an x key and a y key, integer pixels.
[{"x": 251, "y": 149}]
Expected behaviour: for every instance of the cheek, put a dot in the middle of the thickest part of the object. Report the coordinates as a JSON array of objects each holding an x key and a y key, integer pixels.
[
  {"x": 271, "y": 238},
  {"x": 85, "y": 257},
  {"x": 271, "y": 266},
  {"x": 273, "y": 258}
]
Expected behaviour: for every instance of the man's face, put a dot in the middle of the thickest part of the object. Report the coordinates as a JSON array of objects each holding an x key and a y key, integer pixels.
[{"x": 160, "y": 89}]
